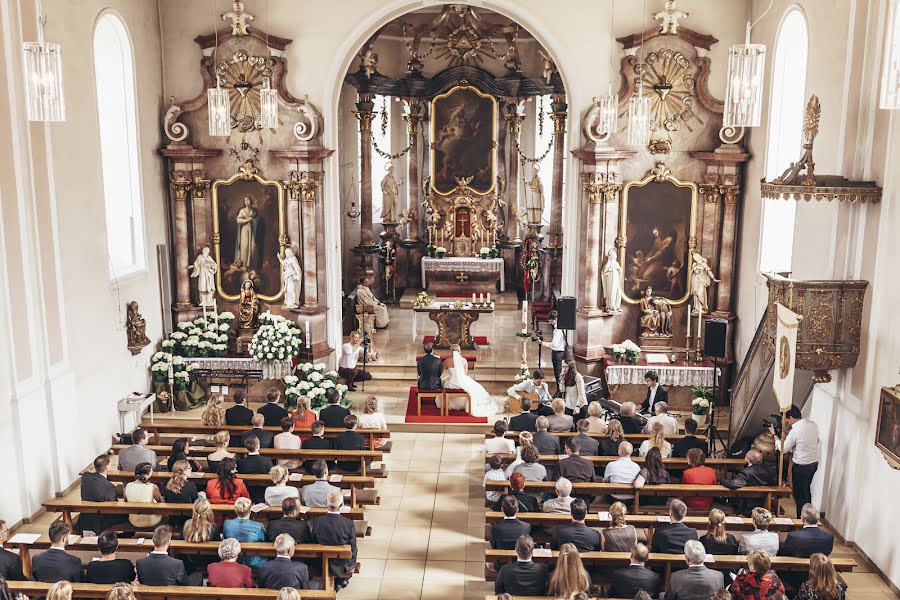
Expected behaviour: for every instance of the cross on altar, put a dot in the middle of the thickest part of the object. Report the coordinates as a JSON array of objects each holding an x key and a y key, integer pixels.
[{"x": 461, "y": 277}]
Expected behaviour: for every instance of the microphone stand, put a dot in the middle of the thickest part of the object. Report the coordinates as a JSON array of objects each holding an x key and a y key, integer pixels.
[{"x": 365, "y": 347}]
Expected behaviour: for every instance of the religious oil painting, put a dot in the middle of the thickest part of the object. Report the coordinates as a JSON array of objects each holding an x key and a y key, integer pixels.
[
  {"x": 248, "y": 219},
  {"x": 463, "y": 133},
  {"x": 657, "y": 226},
  {"x": 887, "y": 435}
]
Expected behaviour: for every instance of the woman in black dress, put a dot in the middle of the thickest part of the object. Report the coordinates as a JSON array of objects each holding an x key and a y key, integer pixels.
[
  {"x": 181, "y": 451},
  {"x": 108, "y": 569},
  {"x": 717, "y": 540},
  {"x": 609, "y": 444},
  {"x": 179, "y": 490},
  {"x": 653, "y": 473}
]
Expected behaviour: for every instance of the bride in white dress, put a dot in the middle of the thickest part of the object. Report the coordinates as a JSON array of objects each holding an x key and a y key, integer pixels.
[{"x": 456, "y": 377}]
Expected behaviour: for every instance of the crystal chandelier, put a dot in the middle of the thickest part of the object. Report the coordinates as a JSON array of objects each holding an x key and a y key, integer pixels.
[
  {"x": 744, "y": 84},
  {"x": 268, "y": 106},
  {"x": 890, "y": 79},
  {"x": 639, "y": 117},
  {"x": 219, "y": 110},
  {"x": 609, "y": 105},
  {"x": 43, "y": 76}
]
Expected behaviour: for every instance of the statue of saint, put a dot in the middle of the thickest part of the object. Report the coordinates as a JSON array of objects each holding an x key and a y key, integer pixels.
[
  {"x": 248, "y": 317},
  {"x": 535, "y": 197},
  {"x": 291, "y": 275},
  {"x": 390, "y": 193},
  {"x": 701, "y": 278},
  {"x": 204, "y": 269},
  {"x": 245, "y": 240},
  {"x": 611, "y": 277},
  {"x": 136, "y": 328},
  {"x": 649, "y": 315}
]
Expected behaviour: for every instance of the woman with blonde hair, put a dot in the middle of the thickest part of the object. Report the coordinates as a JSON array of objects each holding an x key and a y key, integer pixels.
[
  {"x": 759, "y": 582},
  {"x": 201, "y": 527},
  {"x": 142, "y": 490},
  {"x": 569, "y": 577},
  {"x": 526, "y": 438},
  {"x": 609, "y": 444},
  {"x": 120, "y": 591},
  {"x": 221, "y": 441},
  {"x": 179, "y": 490},
  {"x": 717, "y": 540},
  {"x": 61, "y": 590},
  {"x": 619, "y": 536},
  {"x": 245, "y": 530},
  {"x": 657, "y": 439},
  {"x": 279, "y": 490},
  {"x": 823, "y": 582},
  {"x": 595, "y": 418},
  {"x": 303, "y": 417},
  {"x": 214, "y": 413},
  {"x": 559, "y": 421},
  {"x": 372, "y": 418},
  {"x": 288, "y": 593}
]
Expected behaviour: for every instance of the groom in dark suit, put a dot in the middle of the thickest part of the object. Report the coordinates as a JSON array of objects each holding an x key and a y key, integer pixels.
[{"x": 429, "y": 368}]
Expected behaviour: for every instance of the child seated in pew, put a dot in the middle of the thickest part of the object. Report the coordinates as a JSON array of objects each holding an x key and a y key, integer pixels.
[
  {"x": 494, "y": 473},
  {"x": 372, "y": 418}
]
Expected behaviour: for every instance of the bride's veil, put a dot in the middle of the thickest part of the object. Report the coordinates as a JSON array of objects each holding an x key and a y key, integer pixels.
[{"x": 459, "y": 363}]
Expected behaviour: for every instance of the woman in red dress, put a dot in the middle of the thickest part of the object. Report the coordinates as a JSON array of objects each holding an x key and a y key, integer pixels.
[
  {"x": 760, "y": 582},
  {"x": 226, "y": 488},
  {"x": 303, "y": 417}
]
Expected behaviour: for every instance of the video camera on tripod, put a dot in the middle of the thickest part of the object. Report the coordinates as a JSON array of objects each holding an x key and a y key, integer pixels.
[{"x": 774, "y": 422}]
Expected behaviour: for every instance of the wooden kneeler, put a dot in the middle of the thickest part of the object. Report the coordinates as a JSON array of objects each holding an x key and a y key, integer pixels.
[{"x": 436, "y": 393}]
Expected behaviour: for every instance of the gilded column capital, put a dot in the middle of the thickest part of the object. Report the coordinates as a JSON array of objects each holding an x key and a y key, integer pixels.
[
  {"x": 730, "y": 192},
  {"x": 200, "y": 187},
  {"x": 181, "y": 188},
  {"x": 304, "y": 184},
  {"x": 414, "y": 117},
  {"x": 559, "y": 122},
  {"x": 710, "y": 193},
  {"x": 513, "y": 117}
]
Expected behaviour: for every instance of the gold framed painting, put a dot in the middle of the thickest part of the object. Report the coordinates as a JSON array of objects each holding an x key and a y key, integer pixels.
[
  {"x": 463, "y": 139},
  {"x": 657, "y": 236},
  {"x": 248, "y": 233},
  {"x": 887, "y": 434}
]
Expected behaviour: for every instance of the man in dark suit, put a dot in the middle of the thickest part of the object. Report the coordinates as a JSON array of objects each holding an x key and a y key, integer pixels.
[
  {"x": 546, "y": 443},
  {"x": 56, "y": 564},
  {"x": 527, "y": 502},
  {"x": 95, "y": 487},
  {"x": 588, "y": 445},
  {"x": 584, "y": 538},
  {"x": 690, "y": 440},
  {"x": 333, "y": 414},
  {"x": 271, "y": 410},
  {"x": 284, "y": 572},
  {"x": 672, "y": 537},
  {"x": 627, "y": 582},
  {"x": 318, "y": 441},
  {"x": 238, "y": 414},
  {"x": 525, "y": 420},
  {"x": 655, "y": 392},
  {"x": 429, "y": 368},
  {"x": 523, "y": 577},
  {"x": 266, "y": 438},
  {"x": 254, "y": 464},
  {"x": 158, "y": 568},
  {"x": 10, "y": 563},
  {"x": 754, "y": 474},
  {"x": 575, "y": 468},
  {"x": 334, "y": 529},
  {"x": 697, "y": 582},
  {"x": 349, "y": 440},
  {"x": 505, "y": 533},
  {"x": 805, "y": 542},
  {"x": 289, "y": 523}
]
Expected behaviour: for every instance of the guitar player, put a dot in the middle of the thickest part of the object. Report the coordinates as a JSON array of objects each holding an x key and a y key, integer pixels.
[{"x": 536, "y": 389}]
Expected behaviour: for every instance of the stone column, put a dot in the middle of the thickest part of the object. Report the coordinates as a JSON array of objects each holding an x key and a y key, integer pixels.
[
  {"x": 365, "y": 114},
  {"x": 294, "y": 219},
  {"x": 413, "y": 119},
  {"x": 513, "y": 127},
  {"x": 180, "y": 189},
  {"x": 592, "y": 193},
  {"x": 309, "y": 184},
  {"x": 558, "y": 116},
  {"x": 727, "y": 254},
  {"x": 200, "y": 212}
]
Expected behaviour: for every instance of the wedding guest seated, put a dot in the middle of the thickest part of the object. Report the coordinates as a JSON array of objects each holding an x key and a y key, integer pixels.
[
  {"x": 334, "y": 529},
  {"x": 569, "y": 577},
  {"x": 505, "y": 533},
  {"x": 595, "y": 417},
  {"x": 288, "y": 593},
  {"x": 286, "y": 440},
  {"x": 179, "y": 490},
  {"x": 670, "y": 423},
  {"x": 351, "y": 354},
  {"x": 609, "y": 444},
  {"x": 61, "y": 590},
  {"x": 372, "y": 418},
  {"x": 56, "y": 564},
  {"x": 671, "y": 538},
  {"x": 316, "y": 493},
  {"x": 283, "y": 571},
  {"x": 289, "y": 523},
  {"x": 657, "y": 439},
  {"x": 221, "y": 440},
  {"x": 158, "y": 568},
  {"x": 10, "y": 563},
  {"x": 655, "y": 393},
  {"x": 690, "y": 440},
  {"x": 349, "y": 440},
  {"x": 109, "y": 569},
  {"x": 226, "y": 488},
  {"x": 574, "y": 467},
  {"x": 181, "y": 451},
  {"x": 696, "y": 582},
  {"x": 823, "y": 583},
  {"x": 571, "y": 389},
  {"x": 229, "y": 573},
  {"x": 523, "y": 577},
  {"x": 265, "y": 437},
  {"x": 622, "y": 470},
  {"x": 279, "y": 490},
  {"x": 717, "y": 540},
  {"x": 559, "y": 420},
  {"x": 303, "y": 417},
  {"x": 754, "y": 474},
  {"x": 589, "y": 446},
  {"x": 244, "y": 529},
  {"x": 653, "y": 473},
  {"x": 619, "y": 536},
  {"x": 537, "y": 387},
  {"x": 254, "y": 463},
  {"x": 121, "y": 591},
  {"x": 201, "y": 527},
  {"x": 698, "y": 474},
  {"x": 759, "y": 581},
  {"x": 811, "y": 539},
  {"x": 238, "y": 414},
  {"x": 543, "y": 441},
  {"x": 137, "y": 452},
  {"x": 142, "y": 490},
  {"x": 318, "y": 441},
  {"x": 628, "y": 581},
  {"x": 95, "y": 487},
  {"x": 499, "y": 444},
  {"x": 429, "y": 368},
  {"x": 562, "y": 504},
  {"x": 760, "y": 538},
  {"x": 527, "y": 502},
  {"x": 334, "y": 414},
  {"x": 531, "y": 468},
  {"x": 272, "y": 410},
  {"x": 631, "y": 422},
  {"x": 493, "y": 472},
  {"x": 525, "y": 420},
  {"x": 585, "y": 539},
  {"x": 525, "y": 439},
  {"x": 213, "y": 414}
]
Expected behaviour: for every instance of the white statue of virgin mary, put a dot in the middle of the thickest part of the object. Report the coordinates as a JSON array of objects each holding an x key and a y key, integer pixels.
[
  {"x": 245, "y": 240},
  {"x": 290, "y": 275}
]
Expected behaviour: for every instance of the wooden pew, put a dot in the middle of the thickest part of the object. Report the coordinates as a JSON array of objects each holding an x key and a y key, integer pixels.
[
  {"x": 190, "y": 427},
  {"x": 601, "y": 461},
  {"x": 676, "y": 490},
  {"x": 635, "y": 438},
  {"x": 150, "y": 592},
  {"x": 181, "y": 547},
  {"x": 274, "y": 453}
]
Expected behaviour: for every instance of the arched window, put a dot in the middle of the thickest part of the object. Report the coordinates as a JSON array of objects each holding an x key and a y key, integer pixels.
[
  {"x": 117, "y": 120},
  {"x": 784, "y": 140}
]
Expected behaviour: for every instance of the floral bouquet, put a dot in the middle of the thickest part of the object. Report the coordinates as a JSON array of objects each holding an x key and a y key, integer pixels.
[
  {"x": 159, "y": 366},
  {"x": 276, "y": 339},
  {"x": 523, "y": 374},
  {"x": 313, "y": 381},
  {"x": 494, "y": 252},
  {"x": 484, "y": 252},
  {"x": 439, "y": 252},
  {"x": 702, "y": 402},
  {"x": 422, "y": 300},
  {"x": 627, "y": 351}
]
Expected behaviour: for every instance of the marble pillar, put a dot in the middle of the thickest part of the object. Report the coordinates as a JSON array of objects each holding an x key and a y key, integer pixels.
[
  {"x": 180, "y": 188},
  {"x": 200, "y": 212},
  {"x": 558, "y": 116},
  {"x": 727, "y": 254},
  {"x": 309, "y": 192},
  {"x": 592, "y": 193},
  {"x": 365, "y": 114},
  {"x": 513, "y": 120},
  {"x": 414, "y": 118}
]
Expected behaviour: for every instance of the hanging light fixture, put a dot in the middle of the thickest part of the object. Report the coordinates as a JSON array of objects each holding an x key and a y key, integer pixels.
[
  {"x": 217, "y": 100},
  {"x": 43, "y": 76},
  {"x": 890, "y": 79},
  {"x": 268, "y": 97},
  {"x": 639, "y": 105},
  {"x": 609, "y": 102},
  {"x": 744, "y": 81}
]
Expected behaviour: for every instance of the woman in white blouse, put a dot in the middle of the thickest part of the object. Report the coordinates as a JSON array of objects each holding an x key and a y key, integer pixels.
[
  {"x": 500, "y": 444},
  {"x": 571, "y": 384},
  {"x": 372, "y": 418},
  {"x": 656, "y": 440}
]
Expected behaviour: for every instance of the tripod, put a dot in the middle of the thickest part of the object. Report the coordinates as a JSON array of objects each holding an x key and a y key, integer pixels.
[
  {"x": 712, "y": 432},
  {"x": 365, "y": 347}
]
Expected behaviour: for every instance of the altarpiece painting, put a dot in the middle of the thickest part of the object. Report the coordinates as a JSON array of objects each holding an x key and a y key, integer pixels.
[
  {"x": 887, "y": 435},
  {"x": 463, "y": 130}
]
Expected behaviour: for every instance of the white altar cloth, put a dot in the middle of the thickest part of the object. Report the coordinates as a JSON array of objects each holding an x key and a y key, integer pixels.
[
  {"x": 470, "y": 264},
  {"x": 672, "y": 375}
]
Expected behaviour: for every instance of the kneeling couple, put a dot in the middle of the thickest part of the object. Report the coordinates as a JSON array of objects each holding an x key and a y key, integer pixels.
[{"x": 433, "y": 377}]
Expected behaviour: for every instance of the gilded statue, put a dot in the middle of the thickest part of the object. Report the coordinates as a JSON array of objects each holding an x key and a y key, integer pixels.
[
  {"x": 701, "y": 278},
  {"x": 135, "y": 328},
  {"x": 248, "y": 317},
  {"x": 656, "y": 315}
]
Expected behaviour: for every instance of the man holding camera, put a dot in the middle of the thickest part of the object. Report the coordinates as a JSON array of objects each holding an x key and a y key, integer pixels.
[
  {"x": 351, "y": 352},
  {"x": 803, "y": 442},
  {"x": 557, "y": 346}
]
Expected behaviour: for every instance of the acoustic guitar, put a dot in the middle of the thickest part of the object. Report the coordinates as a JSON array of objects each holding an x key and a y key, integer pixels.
[{"x": 512, "y": 404}]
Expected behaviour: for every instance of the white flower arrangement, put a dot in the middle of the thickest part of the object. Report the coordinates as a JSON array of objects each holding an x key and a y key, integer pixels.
[
  {"x": 168, "y": 344},
  {"x": 484, "y": 251},
  {"x": 184, "y": 326},
  {"x": 319, "y": 367},
  {"x": 700, "y": 406},
  {"x": 177, "y": 360},
  {"x": 316, "y": 377},
  {"x": 226, "y": 316},
  {"x": 276, "y": 339},
  {"x": 314, "y": 382},
  {"x": 291, "y": 380},
  {"x": 626, "y": 350},
  {"x": 160, "y": 367},
  {"x": 440, "y": 249},
  {"x": 523, "y": 374}
]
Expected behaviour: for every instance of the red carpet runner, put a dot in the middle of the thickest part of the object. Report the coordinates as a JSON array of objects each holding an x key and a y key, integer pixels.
[{"x": 432, "y": 414}]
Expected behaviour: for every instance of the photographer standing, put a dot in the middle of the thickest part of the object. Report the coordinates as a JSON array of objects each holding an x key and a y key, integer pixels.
[
  {"x": 803, "y": 442},
  {"x": 557, "y": 345},
  {"x": 350, "y": 355}
]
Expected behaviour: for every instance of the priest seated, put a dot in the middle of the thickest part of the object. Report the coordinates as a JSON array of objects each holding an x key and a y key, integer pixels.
[{"x": 365, "y": 297}]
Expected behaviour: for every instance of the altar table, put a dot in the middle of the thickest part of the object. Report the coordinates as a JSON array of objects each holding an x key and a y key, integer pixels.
[
  {"x": 679, "y": 374},
  {"x": 454, "y": 324},
  {"x": 467, "y": 269}
]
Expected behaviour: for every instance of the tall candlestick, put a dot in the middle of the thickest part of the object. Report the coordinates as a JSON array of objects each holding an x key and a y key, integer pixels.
[
  {"x": 480, "y": 298},
  {"x": 473, "y": 297},
  {"x": 689, "y": 324},
  {"x": 524, "y": 316},
  {"x": 699, "y": 322},
  {"x": 308, "y": 342},
  {"x": 489, "y": 298}
]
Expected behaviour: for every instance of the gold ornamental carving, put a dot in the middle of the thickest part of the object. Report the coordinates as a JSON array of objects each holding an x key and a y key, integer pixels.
[
  {"x": 660, "y": 173},
  {"x": 672, "y": 76},
  {"x": 710, "y": 194},
  {"x": 181, "y": 189},
  {"x": 821, "y": 317},
  {"x": 730, "y": 193},
  {"x": 244, "y": 75}
]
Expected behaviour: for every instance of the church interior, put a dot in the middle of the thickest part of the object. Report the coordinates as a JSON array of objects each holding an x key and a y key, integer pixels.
[{"x": 404, "y": 299}]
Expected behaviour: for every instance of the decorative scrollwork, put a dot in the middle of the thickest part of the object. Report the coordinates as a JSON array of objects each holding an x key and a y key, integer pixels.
[
  {"x": 305, "y": 131},
  {"x": 731, "y": 135},
  {"x": 175, "y": 131}
]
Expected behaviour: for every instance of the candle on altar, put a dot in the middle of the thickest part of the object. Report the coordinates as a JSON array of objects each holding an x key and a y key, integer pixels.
[
  {"x": 308, "y": 342},
  {"x": 489, "y": 298},
  {"x": 524, "y": 316},
  {"x": 473, "y": 297},
  {"x": 699, "y": 323},
  {"x": 689, "y": 322},
  {"x": 480, "y": 298}
]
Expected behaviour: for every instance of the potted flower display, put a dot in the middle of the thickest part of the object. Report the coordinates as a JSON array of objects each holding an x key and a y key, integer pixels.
[
  {"x": 701, "y": 405},
  {"x": 523, "y": 374},
  {"x": 313, "y": 381},
  {"x": 277, "y": 339},
  {"x": 494, "y": 252},
  {"x": 627, "y": 351},
  {"x": 484, "y": 253},
  {"x": 439, "y": 252}
]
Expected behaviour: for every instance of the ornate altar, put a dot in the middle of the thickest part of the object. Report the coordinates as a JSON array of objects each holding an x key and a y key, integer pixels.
[{"x": 454, "y": 322}]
